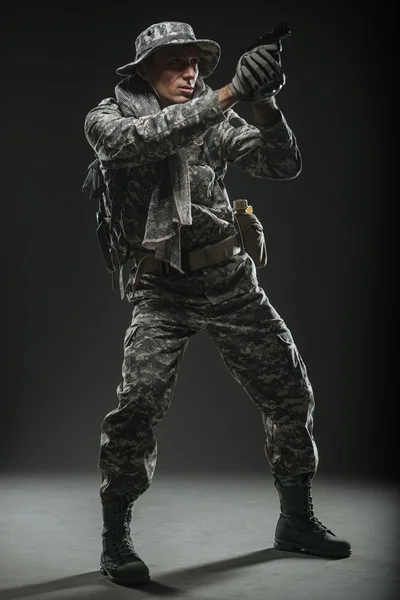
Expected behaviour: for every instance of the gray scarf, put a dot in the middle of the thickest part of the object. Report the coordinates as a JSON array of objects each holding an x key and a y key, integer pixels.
[{"x": 170, "y": 203}]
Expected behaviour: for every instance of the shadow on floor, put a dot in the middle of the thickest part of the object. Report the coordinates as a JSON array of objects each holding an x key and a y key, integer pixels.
[{"x": 193, "y": 577}]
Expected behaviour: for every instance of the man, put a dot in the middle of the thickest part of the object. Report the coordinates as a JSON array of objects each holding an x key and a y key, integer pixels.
[{"x": 191, "y": 273}]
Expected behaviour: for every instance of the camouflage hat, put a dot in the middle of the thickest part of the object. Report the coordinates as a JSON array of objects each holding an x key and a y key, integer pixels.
[{"x": 164, "y": 34}]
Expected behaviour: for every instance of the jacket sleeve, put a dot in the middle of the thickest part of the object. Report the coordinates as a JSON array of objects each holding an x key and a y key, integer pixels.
[
  {"x": 149, "y": 138},
  {"x": 265, "y": 151}
]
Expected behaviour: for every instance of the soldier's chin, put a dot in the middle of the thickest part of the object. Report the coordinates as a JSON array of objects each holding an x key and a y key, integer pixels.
[{"x": 184, "y": 95}]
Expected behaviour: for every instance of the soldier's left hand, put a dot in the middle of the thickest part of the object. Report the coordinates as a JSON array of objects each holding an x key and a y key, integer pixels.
[
  {"x": 274, "y": 50},
  {"x": 269, "y": 56}
]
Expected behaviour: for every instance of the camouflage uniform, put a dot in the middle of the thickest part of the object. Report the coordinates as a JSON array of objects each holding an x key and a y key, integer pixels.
[{"x": 225, "y": 299}]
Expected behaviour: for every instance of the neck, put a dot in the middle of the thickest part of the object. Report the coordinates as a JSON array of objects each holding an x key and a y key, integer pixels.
[{"x": 163, "y": 104}]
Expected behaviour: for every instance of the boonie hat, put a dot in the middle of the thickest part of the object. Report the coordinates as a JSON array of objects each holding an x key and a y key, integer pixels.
[{"x": 170, "y": 33}]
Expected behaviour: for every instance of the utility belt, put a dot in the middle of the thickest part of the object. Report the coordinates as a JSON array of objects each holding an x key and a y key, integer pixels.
[
  {"x": 249, "y": 237},
  {"x": 190, "y": 261}
]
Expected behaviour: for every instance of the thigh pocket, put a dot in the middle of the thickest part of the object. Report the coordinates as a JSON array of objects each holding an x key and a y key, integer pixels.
[
  {"x": 130, "y": 335},
  {"x": 295, "y": 361}
]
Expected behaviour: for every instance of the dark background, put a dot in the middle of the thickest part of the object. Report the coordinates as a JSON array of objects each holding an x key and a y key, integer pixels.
[{"x": 328, "y": 234}]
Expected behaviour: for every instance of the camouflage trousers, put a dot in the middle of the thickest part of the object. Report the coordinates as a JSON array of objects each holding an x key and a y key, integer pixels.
[{"x": 255, "y": 344}]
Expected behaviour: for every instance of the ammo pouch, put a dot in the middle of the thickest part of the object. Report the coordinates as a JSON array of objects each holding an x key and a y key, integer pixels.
[{"x": 252, "y": 233}]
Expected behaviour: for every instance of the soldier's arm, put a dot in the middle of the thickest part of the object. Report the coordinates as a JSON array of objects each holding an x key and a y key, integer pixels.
[
  {"x": 267, "y": 149},
  {"x": 153, "y": 137}
]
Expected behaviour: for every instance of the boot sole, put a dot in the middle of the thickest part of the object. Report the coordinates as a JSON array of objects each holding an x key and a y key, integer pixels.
[
  {"x": 292, "y": 547},
  {"x": 124, "y": 581}
]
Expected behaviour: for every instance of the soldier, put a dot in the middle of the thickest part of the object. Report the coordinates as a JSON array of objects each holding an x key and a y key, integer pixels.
[{"x": 192, "y": 273}]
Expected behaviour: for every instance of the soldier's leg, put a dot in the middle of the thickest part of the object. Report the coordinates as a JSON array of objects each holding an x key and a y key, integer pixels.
[
  {"x": 153, "y": 347},
  {"x": 259, "y": 351}
]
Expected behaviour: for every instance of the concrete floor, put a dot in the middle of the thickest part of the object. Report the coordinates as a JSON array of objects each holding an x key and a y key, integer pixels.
[{"x": 205, "y": 538}]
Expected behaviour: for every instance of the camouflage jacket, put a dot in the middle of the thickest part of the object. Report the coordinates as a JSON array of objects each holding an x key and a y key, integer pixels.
[{"x": 268, "y": 152}]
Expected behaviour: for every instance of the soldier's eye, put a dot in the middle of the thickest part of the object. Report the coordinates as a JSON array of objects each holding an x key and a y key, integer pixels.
[{"x": 181, "y": 61}]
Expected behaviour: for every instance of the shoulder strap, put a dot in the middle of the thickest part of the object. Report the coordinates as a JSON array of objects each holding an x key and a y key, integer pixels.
[
  {"x": 94, "y": 183},
  {"x": 95, "y": 186},
  {"x": 116, "y": 192}
]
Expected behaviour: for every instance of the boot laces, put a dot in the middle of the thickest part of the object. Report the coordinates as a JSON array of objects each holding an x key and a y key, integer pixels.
[
  {"x": 310, "y": 510},
  {"x": 124, "y": 549}
]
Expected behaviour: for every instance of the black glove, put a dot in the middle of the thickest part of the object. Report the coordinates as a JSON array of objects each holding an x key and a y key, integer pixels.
[{"x": 259, "y": 76}]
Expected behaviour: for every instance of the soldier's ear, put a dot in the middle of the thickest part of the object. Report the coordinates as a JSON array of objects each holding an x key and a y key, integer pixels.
[{"x": 141, "y": 70}]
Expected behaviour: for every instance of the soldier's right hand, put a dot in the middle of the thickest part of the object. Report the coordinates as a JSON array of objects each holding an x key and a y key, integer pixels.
[{"x": 257, "y": 75}]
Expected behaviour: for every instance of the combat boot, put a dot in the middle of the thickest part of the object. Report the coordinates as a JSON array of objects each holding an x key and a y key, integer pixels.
[
  {"x": 119, "y": 560},
  {"x": 298, "y": 530}
]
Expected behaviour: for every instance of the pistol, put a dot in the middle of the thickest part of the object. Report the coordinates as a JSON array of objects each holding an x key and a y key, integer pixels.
[{"x": 273, "y": 36}]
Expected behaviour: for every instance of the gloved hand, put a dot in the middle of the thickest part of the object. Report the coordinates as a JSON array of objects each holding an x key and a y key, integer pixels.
[{"x": 259, "y": 74}]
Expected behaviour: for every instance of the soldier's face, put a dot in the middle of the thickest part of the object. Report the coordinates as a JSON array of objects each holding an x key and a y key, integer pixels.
[{"x": 173, "y": 73}]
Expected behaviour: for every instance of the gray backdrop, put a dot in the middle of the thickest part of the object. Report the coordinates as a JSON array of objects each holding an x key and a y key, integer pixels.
[{"x": 327, "y": 232}]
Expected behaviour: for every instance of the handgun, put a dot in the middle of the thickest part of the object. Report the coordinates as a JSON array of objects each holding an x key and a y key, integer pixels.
[{"x": 273, "y": 36}]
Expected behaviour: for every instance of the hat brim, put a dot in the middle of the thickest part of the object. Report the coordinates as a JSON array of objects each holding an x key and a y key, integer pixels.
[{"x": 209, "y": 56}]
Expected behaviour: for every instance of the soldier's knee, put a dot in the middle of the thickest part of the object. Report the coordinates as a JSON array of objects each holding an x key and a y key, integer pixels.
[{"x": 144, "y": 396}]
